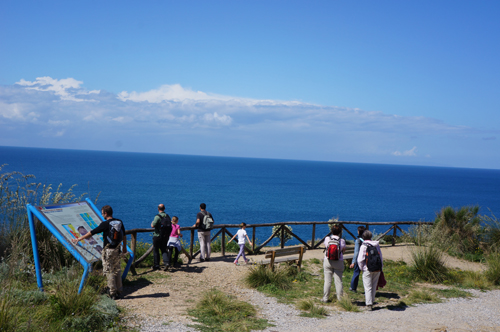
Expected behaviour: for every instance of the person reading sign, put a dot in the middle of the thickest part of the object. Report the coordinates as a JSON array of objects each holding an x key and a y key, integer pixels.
[{"x": 113, "y": 234}]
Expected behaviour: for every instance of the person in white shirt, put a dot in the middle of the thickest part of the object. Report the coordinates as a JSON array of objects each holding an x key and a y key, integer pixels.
[{"x": 241, "y": 234}]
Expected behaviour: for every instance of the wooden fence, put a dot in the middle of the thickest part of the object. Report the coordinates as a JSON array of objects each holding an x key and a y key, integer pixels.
[{"x": 223, "y": 230}]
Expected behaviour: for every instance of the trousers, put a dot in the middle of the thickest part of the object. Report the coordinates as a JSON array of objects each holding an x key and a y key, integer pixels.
[
  {"x": 370, "y": 281},
  {"x": 333, "y": 269},
  {"x": 204, "y": 239},
  {"x": 159, "y": 244},
  {"x": 111, "y": 268}
]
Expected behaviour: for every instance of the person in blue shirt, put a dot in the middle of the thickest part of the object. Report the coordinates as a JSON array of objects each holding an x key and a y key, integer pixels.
[{"x": 354, "y": 264}]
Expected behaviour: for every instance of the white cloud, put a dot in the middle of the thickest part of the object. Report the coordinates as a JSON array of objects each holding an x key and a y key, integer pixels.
[
  {"x": 217, "y": 119},
  {"x": 407, "y": 153},
  {"x": 17, "y": 112},
  {"x": 66, "y": 89},
  {"x": 173, "y": 115}
]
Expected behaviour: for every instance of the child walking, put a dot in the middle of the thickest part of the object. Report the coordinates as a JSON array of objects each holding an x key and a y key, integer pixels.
[{"x": 241, "y": 234}]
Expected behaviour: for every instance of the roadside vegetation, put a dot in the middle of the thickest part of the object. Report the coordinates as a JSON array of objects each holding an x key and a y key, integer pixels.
[
  {"x": 462, "y": 233},
  {"x": 217, "y": 311},
  {"x": 22, "y": 306}
]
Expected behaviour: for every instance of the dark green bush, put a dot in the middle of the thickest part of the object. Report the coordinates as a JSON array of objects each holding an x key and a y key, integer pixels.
[
  {"x": 428, "y": 264},
  {"x": 458, "y": 231}
]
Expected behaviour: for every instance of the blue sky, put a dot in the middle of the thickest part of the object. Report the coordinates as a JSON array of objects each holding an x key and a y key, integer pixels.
[{"x": 395, "y": 82}]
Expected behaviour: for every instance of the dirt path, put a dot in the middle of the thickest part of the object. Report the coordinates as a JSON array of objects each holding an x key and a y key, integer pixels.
[{"x": 177, "y": 290}]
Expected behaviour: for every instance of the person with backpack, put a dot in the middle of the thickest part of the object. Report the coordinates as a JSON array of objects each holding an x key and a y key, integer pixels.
[
  {"x": 333, "y": 265},
  {"x": 113, "y": 234},
  {"x": 163, "y": 227},
  {"x": 370, "y": 262},
  {"x": 204, "y": 223},
  {"x": 354, "y": 263}
]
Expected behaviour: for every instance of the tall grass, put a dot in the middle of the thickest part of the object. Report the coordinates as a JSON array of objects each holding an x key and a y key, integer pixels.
[
  {"x": 428, "y": 264},
  {"x": 458, "y": 231},
  {"x": 218, "y": 311},
  {"x": 261, "y": 275},
  {"x": 312, "y": 310},
  {"x": 16, "y": 191},
  {"x": 493, "y": 271}
]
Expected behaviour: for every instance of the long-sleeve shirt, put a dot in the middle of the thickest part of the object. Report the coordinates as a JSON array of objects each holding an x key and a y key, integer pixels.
[
  {"x": 357, "y": 244},
  {"x": 362, "y": 254},
  {"x": 341, "y": 246}
]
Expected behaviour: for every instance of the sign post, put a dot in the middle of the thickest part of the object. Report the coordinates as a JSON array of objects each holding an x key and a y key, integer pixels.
[{"x": 66, "y": 222}]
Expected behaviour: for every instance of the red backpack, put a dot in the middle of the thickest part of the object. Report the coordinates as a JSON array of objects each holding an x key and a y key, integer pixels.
[{"x": 333, "y": 249}]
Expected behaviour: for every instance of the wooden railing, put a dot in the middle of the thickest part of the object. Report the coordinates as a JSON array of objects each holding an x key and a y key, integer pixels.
[{"x": 280, "y": 232}]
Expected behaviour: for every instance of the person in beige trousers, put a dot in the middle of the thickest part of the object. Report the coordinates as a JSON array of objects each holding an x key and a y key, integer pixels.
[{"x": 334, "y": 268}]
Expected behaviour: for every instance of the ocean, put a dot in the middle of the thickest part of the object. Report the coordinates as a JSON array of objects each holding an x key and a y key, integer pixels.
[{"x": 256, "y": 190}]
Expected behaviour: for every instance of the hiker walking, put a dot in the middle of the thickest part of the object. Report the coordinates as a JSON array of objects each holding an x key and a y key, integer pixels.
[
  {"x": 333, "y": 265},
  {"x": 370, "y": 262},
  {"x": 354, "y": 263},
  {"x": 241, "y": 234}
]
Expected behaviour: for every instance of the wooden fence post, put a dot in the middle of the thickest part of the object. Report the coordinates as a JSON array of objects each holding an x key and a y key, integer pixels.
[
  {"x": 394, "y": 235},
  {"x": 223, "y": 241},
  {"x": 191, "y": 244},
  {"x": 282, "y": 236},
  {"x": 253, "y": 239},
  {"x": 134, "y": 242},
  {"x": 313, "y": 235}
]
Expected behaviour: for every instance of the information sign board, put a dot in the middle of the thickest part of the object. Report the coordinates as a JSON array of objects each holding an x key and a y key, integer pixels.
[{"x": 73, "y": 220}]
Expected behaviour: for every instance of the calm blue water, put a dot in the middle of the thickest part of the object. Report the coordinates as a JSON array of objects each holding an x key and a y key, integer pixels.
[{"x": 256, "y": 190}]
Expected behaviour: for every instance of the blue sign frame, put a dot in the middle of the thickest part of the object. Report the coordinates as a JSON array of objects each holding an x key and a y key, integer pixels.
[{"x": 87, "y": 266}]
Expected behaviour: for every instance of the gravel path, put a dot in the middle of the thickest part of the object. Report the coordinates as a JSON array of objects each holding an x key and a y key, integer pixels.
[{"x": 478, "y": 313}]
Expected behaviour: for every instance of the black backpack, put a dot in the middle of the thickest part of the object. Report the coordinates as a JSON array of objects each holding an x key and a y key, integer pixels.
[
  {"x": 115, "y": 233},
  {"x": 373, "y": 260},
  {"x": 208, "y": 222},
  {"x": 165, "y": 226}
]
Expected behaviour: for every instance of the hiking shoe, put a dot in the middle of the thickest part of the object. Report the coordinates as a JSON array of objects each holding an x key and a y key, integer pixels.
[
  {"x": 154, "y": 268},
  {"x": 369, "y": 307},
  {"x": 353, "y": 290},
  {"x": 236, "y": 263},
  {"x": 207, "y": 259},
  {"x": 247, "y": 261}
]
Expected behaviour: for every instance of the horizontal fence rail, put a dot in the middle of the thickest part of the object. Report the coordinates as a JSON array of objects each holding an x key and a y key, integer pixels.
[{"x": 279, "y": 233}]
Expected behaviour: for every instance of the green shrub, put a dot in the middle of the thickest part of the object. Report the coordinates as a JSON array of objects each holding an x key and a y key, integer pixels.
[
  {"x": 493, "y": 271},
  {"x": 140, "y": 249},
  {"x": 220, "y": 312},
  {"x": 422, "y": 296},
  {"x": 261, "y": 275},
  {"x": 491, "y": 234},
  {"x": 9, "y": 314},
  {"x": 428, "y": 264},
  {"x": 287, "y": 236},
  {"x": 67, "y": 302},
  {"x": 216, "y": 245},
  {"x": 312, "y": 309},
  {"x": 473, "y": 279},
  {"x": 346, "y": 304},
  {"x": 16, "y": 191},
  {"x": 458, "y": 231}
]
